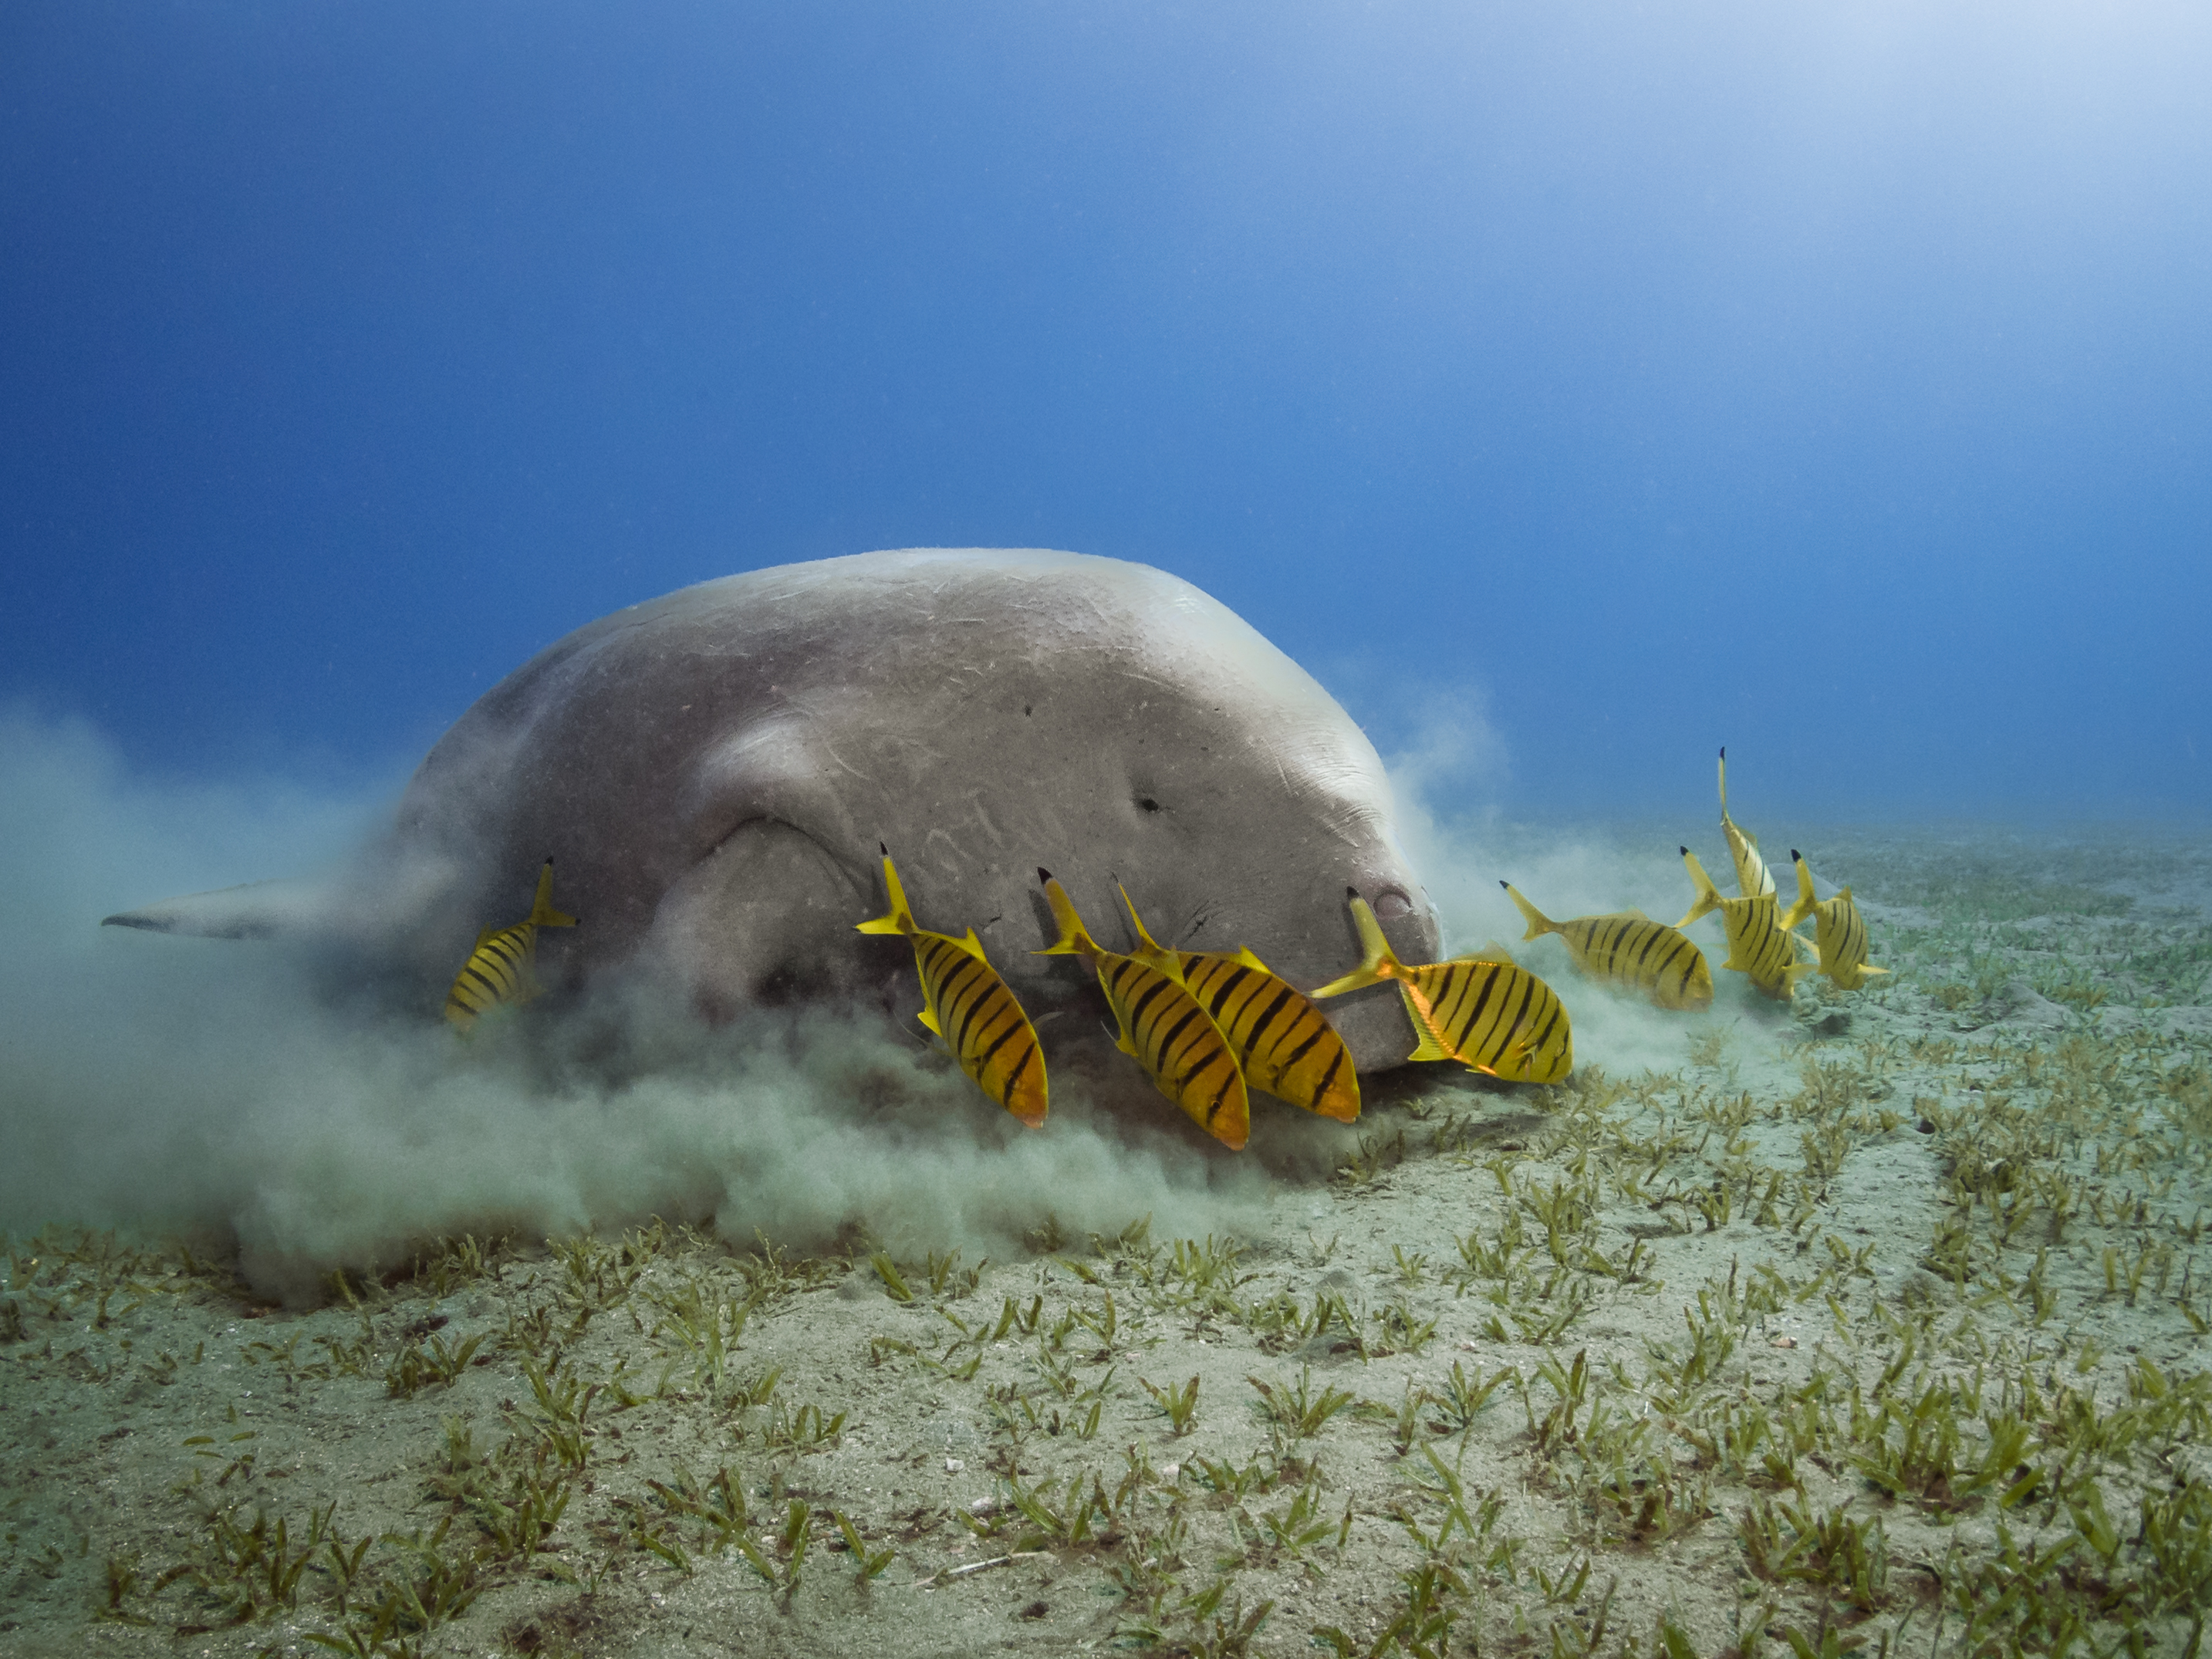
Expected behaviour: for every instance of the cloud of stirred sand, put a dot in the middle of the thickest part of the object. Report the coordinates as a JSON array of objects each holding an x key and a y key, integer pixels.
[
  {"x": 245, "y": 1095},
  {"x": 222, "y": 1091},
  {"x": 1565, "y": 871}
]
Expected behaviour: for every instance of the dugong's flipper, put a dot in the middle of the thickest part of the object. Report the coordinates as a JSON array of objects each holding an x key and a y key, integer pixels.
[{"x": 746, "y": 923}]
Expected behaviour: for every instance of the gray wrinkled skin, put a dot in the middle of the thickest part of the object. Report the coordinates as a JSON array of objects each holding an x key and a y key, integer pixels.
[{"x": 712, "y": 773}]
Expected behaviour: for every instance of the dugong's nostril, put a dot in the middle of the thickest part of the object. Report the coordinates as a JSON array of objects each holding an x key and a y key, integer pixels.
[{"x": 1393, "y": 903}]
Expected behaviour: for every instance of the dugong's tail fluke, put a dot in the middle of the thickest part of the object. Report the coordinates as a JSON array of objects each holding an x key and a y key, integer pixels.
[
  {"x": 259, "y": 910},
  {"x": 1381, "y": 962},
  {"x": 901, "y": 918},
  {"x": 1074, "y": 940},
  {"x": 541, "y": 913}
]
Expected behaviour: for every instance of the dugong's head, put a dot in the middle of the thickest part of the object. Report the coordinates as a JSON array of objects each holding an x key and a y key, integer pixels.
[{"x": 1142, "y": 736}]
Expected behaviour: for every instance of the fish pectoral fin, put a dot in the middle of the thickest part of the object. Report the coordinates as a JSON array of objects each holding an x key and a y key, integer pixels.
[
  {"x": 1869, "y": 967},
  {"x": 1428, "y": 1048}
]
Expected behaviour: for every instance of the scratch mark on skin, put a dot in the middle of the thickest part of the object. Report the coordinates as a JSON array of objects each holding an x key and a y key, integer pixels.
[{"x": 960, "y": 854}]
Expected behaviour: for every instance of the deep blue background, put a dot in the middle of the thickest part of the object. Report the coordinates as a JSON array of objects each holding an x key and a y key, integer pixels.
[{"x": 1834, "y": 381}]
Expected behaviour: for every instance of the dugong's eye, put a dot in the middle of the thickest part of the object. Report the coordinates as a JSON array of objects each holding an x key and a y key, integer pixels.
[
  {"x": 1392, "y": 903},
  {"x": 1148, "y": 804}
]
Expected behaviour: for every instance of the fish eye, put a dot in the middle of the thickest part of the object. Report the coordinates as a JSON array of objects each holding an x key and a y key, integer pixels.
[{"x": 1393, "y": 903}]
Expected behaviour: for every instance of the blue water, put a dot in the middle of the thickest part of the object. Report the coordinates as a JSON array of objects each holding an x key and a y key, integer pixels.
[{"x": 1834, "y": 381}]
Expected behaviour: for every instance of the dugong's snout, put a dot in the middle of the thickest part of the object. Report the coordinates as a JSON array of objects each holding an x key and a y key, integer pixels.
[
  {"x": 1373, "y": 1022},
  {"x": 1392, "y": 903}
]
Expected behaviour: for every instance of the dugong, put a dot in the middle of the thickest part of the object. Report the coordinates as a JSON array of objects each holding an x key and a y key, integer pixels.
[{"x": 713, "y": 771}]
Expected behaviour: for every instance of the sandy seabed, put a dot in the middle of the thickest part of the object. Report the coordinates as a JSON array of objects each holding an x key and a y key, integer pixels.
[{"x": 1876, "y": 1322}]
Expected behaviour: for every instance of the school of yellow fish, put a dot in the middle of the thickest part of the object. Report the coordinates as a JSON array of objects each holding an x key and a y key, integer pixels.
[{"x": 1208, "y": 1027}]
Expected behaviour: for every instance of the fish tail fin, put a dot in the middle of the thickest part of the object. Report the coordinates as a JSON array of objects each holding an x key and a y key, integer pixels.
[
  {"x": 1797, "y": 912},
  {"x": 1378, "y": 964},
  {"x": 1539, "y": 923},
  {"x": 1073, "y": 940},
  {"x": 541, "y": 913},
  {"x": 1148, "y": 949},
  {"x": 1709, "y": 897},
  {"x": 900, "y": 918}
]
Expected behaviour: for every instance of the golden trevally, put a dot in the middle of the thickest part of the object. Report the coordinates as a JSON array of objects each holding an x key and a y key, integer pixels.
[
  {"x": 503, "y": 969},
  {"x": 967, "y": 1004},
  {"x": 1284, "y": 1043},
  {"x": 1490, "y": 1015},
  {"x": 1753, "y": 877},
  {"x": 1163, "y": 1028},
  {"x": 1838, "y": 928},
  {"x": 1759, "y": 947},
  {"x": 1628, "y": 948}
]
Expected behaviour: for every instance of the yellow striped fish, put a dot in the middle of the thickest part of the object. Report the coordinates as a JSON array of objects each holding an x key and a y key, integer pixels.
[
  {"x": 1284, "y": 1043},
  {"x": 503, "y": 966},
  {"x": 1488, "y": 1015},
  {"x": 967, "y": 1004},
  {"x": 1163, "y": 1028},
  {"x": 1759, "y": 947},
  {"x": 1838, "y": 927},
  {"x": 1753, "y": 877},
  {"x": 1628, "y": 948}
]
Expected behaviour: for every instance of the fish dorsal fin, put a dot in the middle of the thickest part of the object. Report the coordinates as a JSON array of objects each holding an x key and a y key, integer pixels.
[
  {"x": 1638, "y": 915},
  {"x": 1493, "y": 952},
  {"x": 930, "y": 1020},
  {"x": 1240, "y": 955},
  {"x": 482, "y": 933}
]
